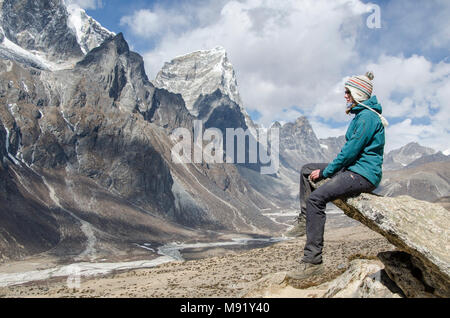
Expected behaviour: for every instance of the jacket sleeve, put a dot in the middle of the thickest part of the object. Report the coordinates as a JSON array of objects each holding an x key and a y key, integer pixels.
[{"x": 361, "y": 135}]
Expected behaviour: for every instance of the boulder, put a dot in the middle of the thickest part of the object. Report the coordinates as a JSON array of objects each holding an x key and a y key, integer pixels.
[
  {"x": 363, "y": 279},
  {"x": 418, "y": 228},
  {"x": 407, "y": 273}
]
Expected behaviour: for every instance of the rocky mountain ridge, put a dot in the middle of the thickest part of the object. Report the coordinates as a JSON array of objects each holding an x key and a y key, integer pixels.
[
  {"x": 427, "y": 182},
  {"x": 85, "y": 130},
  {"x": 97, "y": 133},
  {"x": 207, "y": 81},
  {"x": 402, "y": 157},
  {"x": 417, "y": 171}
]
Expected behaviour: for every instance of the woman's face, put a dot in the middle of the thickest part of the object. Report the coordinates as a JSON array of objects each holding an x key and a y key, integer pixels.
[{"x": 348, "y": 96}]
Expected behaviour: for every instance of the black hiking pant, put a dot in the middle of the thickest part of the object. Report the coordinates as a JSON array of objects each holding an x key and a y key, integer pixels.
[{"x": 343, "y": 184}]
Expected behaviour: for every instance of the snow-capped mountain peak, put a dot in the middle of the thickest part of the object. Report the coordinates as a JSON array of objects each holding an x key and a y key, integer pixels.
[
  {"x": 199, "y": 73},
  {"x": 88, "y": 31},
  {"x": 202, "y": 73},
  {"x": 47, "y": 35}
]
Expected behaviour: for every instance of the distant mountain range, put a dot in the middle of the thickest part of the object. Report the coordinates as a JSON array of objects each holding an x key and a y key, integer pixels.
[
  {"x": 85, "y": 143},
  {"x": 417, "y": 171},
  {"x": 428, "y": 182},
  {"x": 406, "y": 155}
]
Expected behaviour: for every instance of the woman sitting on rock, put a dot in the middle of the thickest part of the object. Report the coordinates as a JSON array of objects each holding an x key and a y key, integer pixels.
[{"x": 356, "y": 169}]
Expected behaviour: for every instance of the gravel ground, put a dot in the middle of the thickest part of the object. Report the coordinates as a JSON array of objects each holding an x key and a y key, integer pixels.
[{"x": 220, "y": 273}]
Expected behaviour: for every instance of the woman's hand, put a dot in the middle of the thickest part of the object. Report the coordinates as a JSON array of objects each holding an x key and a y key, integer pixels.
[{"x": 315, "y": 175}]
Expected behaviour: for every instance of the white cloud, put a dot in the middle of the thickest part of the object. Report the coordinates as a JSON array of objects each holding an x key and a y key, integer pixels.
[
  {"x": 409, "y": 77},
  {"x": 86, "y": 4},
  {"x": 414, "y": 88},
  {"x": 284, "y": 53},
  {"x": 298, "y": 53},
  {"x": 424, "y": 27},
  {"x": 147, "y": 23},
  {"x": 405, "y": 132},
  {"x": 324, "y": 131}
]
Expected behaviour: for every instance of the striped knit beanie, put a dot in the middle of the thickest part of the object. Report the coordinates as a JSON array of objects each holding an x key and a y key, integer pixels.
[{"x": 360, "y": 86}]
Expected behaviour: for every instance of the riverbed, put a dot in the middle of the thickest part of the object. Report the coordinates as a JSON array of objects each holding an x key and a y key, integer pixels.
[{"x": 171, "y": 252}]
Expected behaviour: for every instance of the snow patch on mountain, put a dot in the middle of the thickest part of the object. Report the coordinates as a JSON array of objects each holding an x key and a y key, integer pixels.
[
  {"x": 89, "y": 32},
  {"x": 10, "y": 50}
]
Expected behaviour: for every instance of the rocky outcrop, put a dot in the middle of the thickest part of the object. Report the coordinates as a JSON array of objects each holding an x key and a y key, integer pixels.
[
  {"x": 419, "y": 268},
  {"x": 350, "y": 268},
  {"x": 418, "y": 228},
  {"x": 407, "y": 272},
  {"x": 363, "y": 279},
  {"x": 444, "y": 201}
]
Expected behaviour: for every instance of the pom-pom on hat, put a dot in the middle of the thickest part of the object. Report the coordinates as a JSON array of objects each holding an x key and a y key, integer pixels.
[{"x": 360, "y": 86}]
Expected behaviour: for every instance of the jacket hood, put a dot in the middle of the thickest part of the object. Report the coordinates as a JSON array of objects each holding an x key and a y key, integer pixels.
[{"x": 371, "y": 102}]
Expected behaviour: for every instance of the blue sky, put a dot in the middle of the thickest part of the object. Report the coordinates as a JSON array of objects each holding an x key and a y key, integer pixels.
[{"x": 291, "y": 57}]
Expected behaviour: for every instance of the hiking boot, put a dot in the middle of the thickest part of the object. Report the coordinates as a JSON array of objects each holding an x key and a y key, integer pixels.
[
  {"x": 300, "y": 228},
  {"x": 305, "y": 270}
]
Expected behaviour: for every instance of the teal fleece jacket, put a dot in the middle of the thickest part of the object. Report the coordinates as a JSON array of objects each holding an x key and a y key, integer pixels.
[{"x": 364, "y": 149}]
